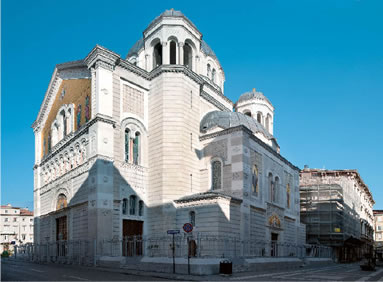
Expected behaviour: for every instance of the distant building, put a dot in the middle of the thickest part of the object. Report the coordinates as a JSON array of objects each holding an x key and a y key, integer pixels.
[
  {"x": 336, "y": 206},
  {"x": 378, "y": 231},
  {"x": 16, "y": 227}
]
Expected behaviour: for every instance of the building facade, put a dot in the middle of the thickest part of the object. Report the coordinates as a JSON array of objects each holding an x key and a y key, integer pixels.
[
  {"x": 16, "y": 227},
  {"x": 336, "y": 206},
  {"x": 141, "y": 145},
  {"x": 378, "y": 232}
]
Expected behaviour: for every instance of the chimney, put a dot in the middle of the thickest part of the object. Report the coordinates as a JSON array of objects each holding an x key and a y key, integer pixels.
[{"x": 306, "y": 167}]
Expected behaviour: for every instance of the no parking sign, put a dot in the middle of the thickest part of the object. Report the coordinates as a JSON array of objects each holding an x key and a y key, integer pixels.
[{"x": 188, "y": 227}]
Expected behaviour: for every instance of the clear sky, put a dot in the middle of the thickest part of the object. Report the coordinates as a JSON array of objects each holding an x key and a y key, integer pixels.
[{"x": 319, "y": 62}]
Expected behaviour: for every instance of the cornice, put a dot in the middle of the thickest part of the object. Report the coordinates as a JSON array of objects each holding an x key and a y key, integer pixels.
[
  {"x": 207, "y": 196},
  {"x": 134, "y": 69},
  {"x": 251, "y": 135},
  {"x": 345, "y": 172},
  {"x": 47, "y": 97},
  {"x": 68, "y": 140},
  {"x": 175, "y": 69},
  {"x": 103, "y": 57},
  {"x": 214, "y": 101}
]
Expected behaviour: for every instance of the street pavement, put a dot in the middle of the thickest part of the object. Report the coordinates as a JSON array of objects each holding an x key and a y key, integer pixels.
[{"x": 12, "y": 270}]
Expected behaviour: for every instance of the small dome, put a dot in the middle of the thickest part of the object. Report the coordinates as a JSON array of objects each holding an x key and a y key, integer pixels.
[
  {"x": 136, "y": 48},
  {"x": 232, "y": 119},
  {"x": 252, "y": 95}
]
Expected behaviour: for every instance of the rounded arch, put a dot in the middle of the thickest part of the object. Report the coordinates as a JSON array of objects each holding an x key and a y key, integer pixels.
[
  {"x": 133, "y": 139},
  {"x": 156, "y": 52},
  {"x": 189, "y": 53},
  {"x": 247, "y": 112},
  {"x": 173, "y": 49},
  {"x": 60, "y": 191}
]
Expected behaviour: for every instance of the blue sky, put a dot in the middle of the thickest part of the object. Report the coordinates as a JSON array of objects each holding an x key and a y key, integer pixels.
[{"x": 319, "y": 62}]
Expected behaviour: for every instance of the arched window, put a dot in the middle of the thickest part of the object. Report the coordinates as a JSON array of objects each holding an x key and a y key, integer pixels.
[
  {"x": 69, "y": 122},
  {"x": 247, "y": 113},
  {"x": 173, "y": 53},
  {"x": 124, "y": 206},
  {"x": 288, "y": 195},
  {"x": 64, "y": 124},
  {"x": 157, "y": 55},
  {"x": 188, "y": 56},
  {"x": 132, "y": 205},
  {"x": 267, "y": 123},
  {"x": 141, "y": 208},
  {"x": 127, "y": 144},
  {"x": 259, "y": 118},
  {"x": 216, "y": 172},
  {"x": 276, "y": 189},
  {"x": 61, "y": 202},
  {"x": 208, "y": 70},
  {"x": 271, "y": 187},
  {"x": 213, "y": 73},
  {"x": 254, "y": 184},
  {"x": 192, "y": 218},
  {"x": 136, "y": 149}
]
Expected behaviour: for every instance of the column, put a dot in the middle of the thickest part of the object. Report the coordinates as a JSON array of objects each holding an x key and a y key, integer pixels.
[
  {"x": 165, "y": 53},
  {"x": 181, "y": 52}
]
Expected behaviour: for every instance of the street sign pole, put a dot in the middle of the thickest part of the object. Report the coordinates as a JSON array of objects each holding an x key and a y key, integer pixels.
[
  {"x": 174, "y": 256},
  {"x": 174, "y": 232},
  {"x": 189, "y": 256}
]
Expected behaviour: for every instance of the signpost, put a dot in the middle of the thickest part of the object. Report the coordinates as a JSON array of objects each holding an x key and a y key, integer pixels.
[
  {"x": 188, "y": 227},
  {"x": 173, "y": 232}
]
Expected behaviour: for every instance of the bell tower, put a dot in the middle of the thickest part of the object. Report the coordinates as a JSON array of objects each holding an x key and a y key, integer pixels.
[{"x": 257, "y": 106}]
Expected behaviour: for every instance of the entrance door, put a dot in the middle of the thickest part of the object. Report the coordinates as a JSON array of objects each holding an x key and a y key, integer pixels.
[
  {"x": 61, "y": 235},
  {"x": 132, "y": 231},
  {"x": 274, "y": 244}
]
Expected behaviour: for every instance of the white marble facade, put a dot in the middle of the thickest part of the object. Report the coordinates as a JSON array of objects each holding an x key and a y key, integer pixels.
[{"x": 162, "y": 147}]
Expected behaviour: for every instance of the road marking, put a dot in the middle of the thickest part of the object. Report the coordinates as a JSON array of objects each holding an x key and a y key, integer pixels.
[
  {"x": 36, "y": 270},
  {"x": 287, "y": 273},
  {"x": 75, "y": 277},
  {"x": 371, "y": 275}
]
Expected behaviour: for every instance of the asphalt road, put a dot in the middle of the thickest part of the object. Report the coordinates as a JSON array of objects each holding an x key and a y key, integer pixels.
[
  {"x": 26, "y": 271},
  {"x": 334, "y": 272}
]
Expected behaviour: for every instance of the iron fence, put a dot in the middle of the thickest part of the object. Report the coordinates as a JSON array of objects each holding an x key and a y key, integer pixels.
[{"x": 200, "y": 246}]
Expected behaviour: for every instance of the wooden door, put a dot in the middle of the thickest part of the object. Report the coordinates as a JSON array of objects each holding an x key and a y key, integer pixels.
[{"x": 132, "y": 231}]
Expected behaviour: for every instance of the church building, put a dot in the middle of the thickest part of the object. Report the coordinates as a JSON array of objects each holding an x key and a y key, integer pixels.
[{"x": 142, "y": 144}]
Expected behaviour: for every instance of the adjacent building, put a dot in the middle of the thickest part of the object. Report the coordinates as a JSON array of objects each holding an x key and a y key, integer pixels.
[
  {"x": 139, "y": 145},
  {"x": 16, "y": 227},
  {"x": 378, "y": 232},
  {"x": 336, "y": 206}
]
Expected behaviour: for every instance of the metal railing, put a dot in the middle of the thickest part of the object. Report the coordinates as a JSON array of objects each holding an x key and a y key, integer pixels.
[{"x": 201, "y": 246}]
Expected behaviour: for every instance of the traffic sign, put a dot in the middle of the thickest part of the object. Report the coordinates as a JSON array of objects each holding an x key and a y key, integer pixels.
[
  {"x": 173, "y": 231},
  {"x": 188, "y": 227}
]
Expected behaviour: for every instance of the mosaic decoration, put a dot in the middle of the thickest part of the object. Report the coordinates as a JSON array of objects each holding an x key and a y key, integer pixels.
[
  {"x": 62, "y": 94},
  {"x": 49, "y": 142},
  {"x": 274, "y": 221},
  {"x": 216, "y": 167},
  {"x": 44, "y": 147},
  {"x": 288, "y": 194},
  {"x": 87, "y": 109},
  {"x": 78, "y": 116},
  {"x": 254, "y": 180}
]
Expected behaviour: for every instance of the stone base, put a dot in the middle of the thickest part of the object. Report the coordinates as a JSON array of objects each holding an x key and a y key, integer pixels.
[{"x": 209, "y": 266}]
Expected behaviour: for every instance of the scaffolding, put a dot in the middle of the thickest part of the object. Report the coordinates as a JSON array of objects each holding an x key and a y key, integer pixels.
[{"x": 329, "y": 220}]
